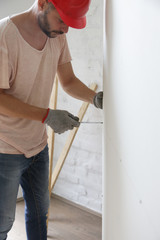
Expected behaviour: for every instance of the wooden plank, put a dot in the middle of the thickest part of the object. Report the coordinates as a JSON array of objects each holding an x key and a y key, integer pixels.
[
  {"x": 69, "y": 142},
  {"x": 51, "y": 135}
]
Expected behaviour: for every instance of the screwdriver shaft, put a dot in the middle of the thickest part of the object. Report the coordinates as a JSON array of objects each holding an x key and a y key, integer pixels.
[{"x": 92, "y": 122}]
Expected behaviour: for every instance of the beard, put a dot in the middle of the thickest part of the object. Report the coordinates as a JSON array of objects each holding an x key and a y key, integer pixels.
[{"x": 45, "y": 27}]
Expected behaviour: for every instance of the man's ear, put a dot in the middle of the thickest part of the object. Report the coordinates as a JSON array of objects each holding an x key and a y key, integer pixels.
[{"x": 42, "y": 4}]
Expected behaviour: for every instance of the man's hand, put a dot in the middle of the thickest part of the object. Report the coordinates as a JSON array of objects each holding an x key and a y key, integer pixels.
[
  {"x": 61, "y": 121},
  {"x": 98, "y": 100}
]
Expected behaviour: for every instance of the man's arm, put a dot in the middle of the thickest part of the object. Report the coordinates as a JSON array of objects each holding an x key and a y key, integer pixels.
[
  {"x": 13, "y": 107},
  {"x": 59, "y": 120},
  {"x": 72, "y": 85}
]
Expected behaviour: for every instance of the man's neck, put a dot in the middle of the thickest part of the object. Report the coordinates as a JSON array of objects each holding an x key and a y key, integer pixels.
[{"x": 28, "y": 27}]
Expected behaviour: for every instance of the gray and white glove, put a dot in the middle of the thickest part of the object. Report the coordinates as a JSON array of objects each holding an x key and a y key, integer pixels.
[
  {"x": 98, "y": 100},
  {"x": 61, "y": 121}
]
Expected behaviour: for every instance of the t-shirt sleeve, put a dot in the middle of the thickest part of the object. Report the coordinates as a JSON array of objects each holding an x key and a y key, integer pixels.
[
  {"x": 65, "y": 53},
  {"x": 4, "y": 66}
]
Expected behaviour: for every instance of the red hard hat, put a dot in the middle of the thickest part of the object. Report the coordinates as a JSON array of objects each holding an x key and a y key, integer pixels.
[{"x": 72, "y": 12}]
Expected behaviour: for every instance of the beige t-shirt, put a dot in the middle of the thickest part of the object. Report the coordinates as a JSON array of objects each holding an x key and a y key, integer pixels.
[{"x": 27, "y": 74}]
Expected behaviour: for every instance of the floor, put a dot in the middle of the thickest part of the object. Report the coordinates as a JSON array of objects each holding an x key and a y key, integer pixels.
[{"x": 66, "y": 222}]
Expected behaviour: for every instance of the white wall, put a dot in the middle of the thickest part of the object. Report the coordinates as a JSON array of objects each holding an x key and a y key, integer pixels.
[
  {"x": 8, "y": 7},
  {"x": 80, "y": 180},
  {"x": 132, "y": 117}
]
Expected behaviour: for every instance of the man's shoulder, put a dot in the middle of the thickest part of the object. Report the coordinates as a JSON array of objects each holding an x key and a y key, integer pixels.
[
  {"x": 4, "y": 23},
  {"x": 7, "y": 31}
]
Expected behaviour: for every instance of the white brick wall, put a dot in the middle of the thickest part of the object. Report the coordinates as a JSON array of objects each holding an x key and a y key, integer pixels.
[{"x": 80, "y": 180}]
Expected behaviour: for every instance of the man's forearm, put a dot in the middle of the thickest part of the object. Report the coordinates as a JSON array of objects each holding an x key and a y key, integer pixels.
[
  {"x": 79, "y": 90},
  {"x": 13, "y": 107}
]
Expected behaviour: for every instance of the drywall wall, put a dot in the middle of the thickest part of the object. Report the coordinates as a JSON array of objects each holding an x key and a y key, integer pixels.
[{"x": 132, "y": 130}]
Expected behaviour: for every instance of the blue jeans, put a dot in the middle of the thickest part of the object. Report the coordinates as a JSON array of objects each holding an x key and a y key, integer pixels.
[{"x": 32, "y": 175}]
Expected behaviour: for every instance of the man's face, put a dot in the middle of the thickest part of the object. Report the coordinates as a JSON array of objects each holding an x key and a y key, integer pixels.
[{"x": 51, "y": 23}]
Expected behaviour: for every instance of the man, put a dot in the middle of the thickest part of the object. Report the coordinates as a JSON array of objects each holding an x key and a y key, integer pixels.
[{"x": 33, "y": 48}]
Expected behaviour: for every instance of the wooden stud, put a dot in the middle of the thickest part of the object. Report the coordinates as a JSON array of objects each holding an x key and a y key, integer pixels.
[
  {"x": 51, "y": 136},
  {"x": 53, "y": 105}
]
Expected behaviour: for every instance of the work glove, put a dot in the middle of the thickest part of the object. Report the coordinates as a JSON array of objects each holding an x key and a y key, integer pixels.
[
  {"x": 61, "y": 121},
  {"x": 98, "y": 100}
]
